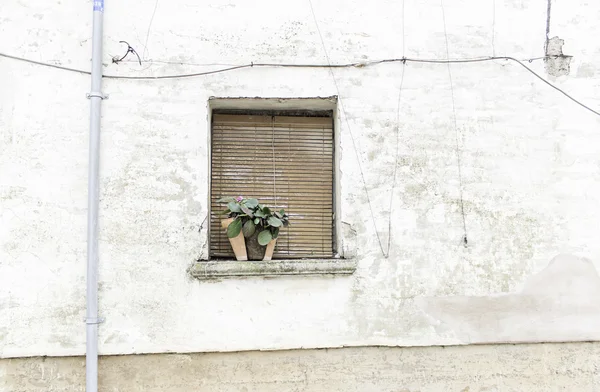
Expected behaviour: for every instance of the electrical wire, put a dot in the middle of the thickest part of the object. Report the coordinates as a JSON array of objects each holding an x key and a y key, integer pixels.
[
  {"x": 493, "y": 27},
  {"x": 456, "y": 133},
  {"x": 8, "y": 56},
  {"x": 597, "y": 113},
  {"x": 389, "y": 241},
  {"x": 146, "y": 51},
  {"x": 180, "y": 76},
  {"x": 347, "y": 65}
]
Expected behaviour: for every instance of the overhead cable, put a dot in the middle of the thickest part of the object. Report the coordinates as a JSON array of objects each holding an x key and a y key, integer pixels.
[{"x": 346, "y": 65}]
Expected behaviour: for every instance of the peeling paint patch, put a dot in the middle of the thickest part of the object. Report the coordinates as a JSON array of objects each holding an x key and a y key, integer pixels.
[
  {"x": 557, "y": 64},
  {"x": 585, "y": 70},
  {"x": 349, "y": 242}
]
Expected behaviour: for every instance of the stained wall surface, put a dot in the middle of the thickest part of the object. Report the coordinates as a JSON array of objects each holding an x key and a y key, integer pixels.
[
  {"x": 515, "y": 158},
  {"x": 483, "y": 368}
]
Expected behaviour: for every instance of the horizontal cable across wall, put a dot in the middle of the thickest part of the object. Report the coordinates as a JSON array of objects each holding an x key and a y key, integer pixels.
[{"x": 284, "y": 162}]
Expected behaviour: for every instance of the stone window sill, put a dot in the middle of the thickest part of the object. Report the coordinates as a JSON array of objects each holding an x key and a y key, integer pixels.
[{"x": 211, "y": 270}]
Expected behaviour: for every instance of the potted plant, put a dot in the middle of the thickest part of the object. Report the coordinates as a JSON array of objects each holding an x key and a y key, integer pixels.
[
  {"x": 261, "y": 231},
  {"x": 252, "y": 228},
  {"x": 236, "y": 217}
]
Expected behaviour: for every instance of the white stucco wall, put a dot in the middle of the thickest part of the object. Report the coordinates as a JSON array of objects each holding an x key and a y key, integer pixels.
[{"x": 530, "y": 163}]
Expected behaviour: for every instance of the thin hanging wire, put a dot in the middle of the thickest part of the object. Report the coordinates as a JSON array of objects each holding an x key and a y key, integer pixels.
[
  {"x": 389, "y": 242},
  {"x": 456, "y": 133},
  {"x": 273, "y": 150},
  {"x": 362, "y": 174}
]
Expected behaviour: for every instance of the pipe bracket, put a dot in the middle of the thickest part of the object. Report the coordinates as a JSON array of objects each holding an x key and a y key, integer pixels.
[
  {"x": 96, "y": 94},
  {"x": 90, "y": 320}
]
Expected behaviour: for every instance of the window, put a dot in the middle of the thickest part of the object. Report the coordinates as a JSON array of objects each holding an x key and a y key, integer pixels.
[{"x": 284, "y": 159}]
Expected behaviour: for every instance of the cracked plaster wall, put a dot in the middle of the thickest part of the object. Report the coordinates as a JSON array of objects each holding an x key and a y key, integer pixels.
[{"x": 530, "y": 168}]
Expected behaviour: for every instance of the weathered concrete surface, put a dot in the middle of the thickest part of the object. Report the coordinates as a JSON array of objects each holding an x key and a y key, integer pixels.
[
  {"x": 560, "y": 302},
  {"x": 212, "y": 270},
  {"x": 501, "y": 368},
  {"x": 530, "y": 171},
  {"x": 559, "y": 63}
]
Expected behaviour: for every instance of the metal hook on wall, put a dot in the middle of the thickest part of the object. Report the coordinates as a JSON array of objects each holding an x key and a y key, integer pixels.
[{"x": 130, "y": 49}]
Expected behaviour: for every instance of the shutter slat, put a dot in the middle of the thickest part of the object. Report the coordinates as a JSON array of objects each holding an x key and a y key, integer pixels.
[
  {"x": 281, "y": 174},
  {"x": 292, "y": 152},
  {"x": 267, "y": 162},
  {"x": 246, "y": 192},
  {"x": 325, "y": 205},
  {"x": 250, "y": 144},
  {"x": 301, "y": 217},
  {"x": 284, "y": 256},
  {"x": 313, "y": 242},
  {"x": 307, "y": 243},
  {"x": 261, "y": 163},
  {"x": 270, "y": 141},
  {"x": 298, "y": 229},
  {"x": 300, "y": 180},
  {"x": 292, "y": 121},
  {"x": 295, "y": 182},
  {"x": 267, "y": 136}
]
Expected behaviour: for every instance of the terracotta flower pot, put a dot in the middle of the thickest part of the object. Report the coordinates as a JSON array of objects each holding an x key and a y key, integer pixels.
[
  {"x": 257, "y": 251},
  {"x": 238, "y": 244},
  {"x": 269, "y": 250}
]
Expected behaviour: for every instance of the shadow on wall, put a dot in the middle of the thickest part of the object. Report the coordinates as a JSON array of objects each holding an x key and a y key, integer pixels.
[{"x": 561, "y": 303}]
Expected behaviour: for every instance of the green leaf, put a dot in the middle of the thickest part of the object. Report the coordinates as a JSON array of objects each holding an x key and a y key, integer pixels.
[
  {"x": 256, "y": 221},
  {"x": 264, "y": 237},
  {"x": 226, "y": 212},
  {"x": 226, "y": 199},
  {"x": 234, "y": 228},
  {"x": 259, "y": 213},
  {"x": 275, "y": 232},
  {"x": 248, "y": 229},
  {"x": 282, "y": 211},
  {"x": 273, "y": 221},
  {"x": 266, "y": 211},
  {"x": 252, "y": 203},
  {"x": 247, "y": 211},
  {"x": 234, "y": 207},
  {"x": 277, "y": 214}
]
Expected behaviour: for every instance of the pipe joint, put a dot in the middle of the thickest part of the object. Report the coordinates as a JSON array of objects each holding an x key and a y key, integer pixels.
[{"x": 90, "y": 320}]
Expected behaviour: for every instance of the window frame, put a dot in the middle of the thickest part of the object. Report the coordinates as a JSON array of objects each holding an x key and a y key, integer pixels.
[{"x": 279, "y": 106}]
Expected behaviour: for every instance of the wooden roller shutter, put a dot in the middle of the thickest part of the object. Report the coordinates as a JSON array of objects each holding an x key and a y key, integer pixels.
[{"x": 284, "y": 162}]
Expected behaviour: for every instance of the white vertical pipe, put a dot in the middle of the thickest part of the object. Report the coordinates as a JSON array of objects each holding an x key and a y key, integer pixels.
[{"x": 95, "y": 96}]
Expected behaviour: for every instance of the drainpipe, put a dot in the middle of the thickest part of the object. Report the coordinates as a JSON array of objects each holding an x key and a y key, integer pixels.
[{"x": 95, "y": 96}]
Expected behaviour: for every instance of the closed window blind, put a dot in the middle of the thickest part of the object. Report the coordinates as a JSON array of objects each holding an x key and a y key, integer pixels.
[{"x": 284, "y": 162}]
